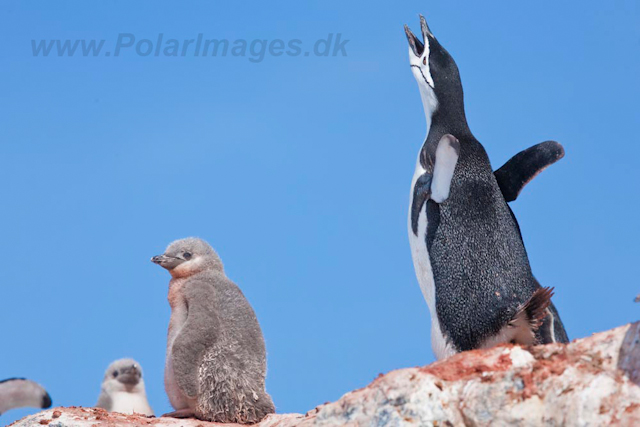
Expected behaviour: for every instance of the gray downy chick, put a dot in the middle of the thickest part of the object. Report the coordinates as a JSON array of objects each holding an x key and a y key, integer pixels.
[
  {"x": 216, "y": 359},
  {"x": 21, "y": 393},
  {"x": 123, "y": 389}
]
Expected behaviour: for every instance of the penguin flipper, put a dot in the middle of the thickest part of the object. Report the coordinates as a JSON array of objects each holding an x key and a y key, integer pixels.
[
  {"x": 435, "y": 182},
  {"x": 199, "y": 333},
  {"x": 421, "y": 193},
  {"x": 446, "y": 158},
  {"x": 104, "y": 401},
  {"x": 519, "y": 170}
]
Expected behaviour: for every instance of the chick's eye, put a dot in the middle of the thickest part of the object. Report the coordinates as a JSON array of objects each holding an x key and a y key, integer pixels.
[
  {"x": 115, "y": 374},
  {"x": 187, "y": 255},
  {"x": 424, "y": 61}
]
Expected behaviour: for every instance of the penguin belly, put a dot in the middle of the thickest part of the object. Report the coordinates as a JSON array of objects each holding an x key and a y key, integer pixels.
[
  {"x": 422, "y": 265},
  {"x": 128, "y": 403}
]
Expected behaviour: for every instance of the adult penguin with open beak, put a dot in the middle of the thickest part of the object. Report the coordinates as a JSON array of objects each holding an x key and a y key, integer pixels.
[{"x": 466, "y": 245}]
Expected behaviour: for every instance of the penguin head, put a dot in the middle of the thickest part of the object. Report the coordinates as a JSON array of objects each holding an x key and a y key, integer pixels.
[
  {"x": 435, "y": 71},
  {"x": 122, "y": 375},
  {"x": 186, "y": 257}
]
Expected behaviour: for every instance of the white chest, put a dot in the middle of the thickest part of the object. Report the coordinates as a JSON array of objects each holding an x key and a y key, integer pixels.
[
  {"x": 424, "y": 273},
  {"x": 128, "y": 403}
]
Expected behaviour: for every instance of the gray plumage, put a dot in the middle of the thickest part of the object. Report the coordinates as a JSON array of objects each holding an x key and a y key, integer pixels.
[
  {"x": 20, "y": 393},
  {"x": 216, "y": 358},
  {"x": 123, "y": 390}
]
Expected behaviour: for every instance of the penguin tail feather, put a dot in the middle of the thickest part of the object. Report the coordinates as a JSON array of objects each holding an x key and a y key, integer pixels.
[{"x": 535, "y": 308}]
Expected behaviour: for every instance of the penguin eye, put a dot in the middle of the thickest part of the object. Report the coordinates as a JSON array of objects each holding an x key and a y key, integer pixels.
[
  {"x": 424, "y": 61},
  {"x": 115, "y": 374},
  {"x": 187, "y": 255}
]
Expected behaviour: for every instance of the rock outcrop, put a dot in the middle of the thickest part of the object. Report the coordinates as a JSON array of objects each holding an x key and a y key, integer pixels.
[{"x": 589, "y": 382}]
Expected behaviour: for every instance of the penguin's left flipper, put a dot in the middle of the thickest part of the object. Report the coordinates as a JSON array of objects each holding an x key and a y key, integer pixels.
[
  {"x": 421, "y": 193},
  {"x": 435, "y": 182},
  {"x": 524, "y": 166},
  {"x": 446, "y": 158}
]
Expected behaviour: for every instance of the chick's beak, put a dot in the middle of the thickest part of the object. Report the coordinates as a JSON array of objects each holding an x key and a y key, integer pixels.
[{"x": 168, "y": 262}]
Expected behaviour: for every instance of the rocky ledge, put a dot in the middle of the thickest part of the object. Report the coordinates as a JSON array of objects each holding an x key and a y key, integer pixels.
[{"x": 591, "y": 381}]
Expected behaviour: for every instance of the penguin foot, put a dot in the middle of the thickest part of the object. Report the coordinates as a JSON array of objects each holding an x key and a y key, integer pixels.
[{"x": 180, "y": 413}]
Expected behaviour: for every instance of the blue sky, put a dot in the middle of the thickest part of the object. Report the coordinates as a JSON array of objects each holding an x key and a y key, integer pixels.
[{"x": 297, "y": 170}]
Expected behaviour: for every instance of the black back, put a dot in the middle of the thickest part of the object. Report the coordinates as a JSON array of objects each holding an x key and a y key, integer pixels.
[{"x": 480, "y": 266}]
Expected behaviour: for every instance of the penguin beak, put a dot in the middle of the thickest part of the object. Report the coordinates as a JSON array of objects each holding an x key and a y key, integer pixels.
[
  {"x": 133, "y": 369},
  {"x": 417, "y": 46},
  {"x": 129, "y": 376},
  {"x": 46, "y": 401},
  {"x": 424, "y": 27},
  {"x": 166, "y": 261}
]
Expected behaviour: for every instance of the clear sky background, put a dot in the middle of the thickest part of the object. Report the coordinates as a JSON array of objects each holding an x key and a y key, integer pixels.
[{"x": 297, "y": 171}]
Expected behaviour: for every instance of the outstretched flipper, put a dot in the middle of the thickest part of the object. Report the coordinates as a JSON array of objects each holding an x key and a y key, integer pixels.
[
  {"x": 524, "y": 166},
  {"x": 512, "y": 177},
  {"x": 20, "y": 393}
]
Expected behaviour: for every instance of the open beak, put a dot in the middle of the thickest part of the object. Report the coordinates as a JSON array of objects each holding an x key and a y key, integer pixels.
[{"x": 417, "y": 46}]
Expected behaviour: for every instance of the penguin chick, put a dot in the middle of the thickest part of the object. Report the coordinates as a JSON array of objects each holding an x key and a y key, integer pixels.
[
  {"x": 123, "y": 389},
  {"x": 216, "y": 359},
  {"x": 20, "y": 393}
]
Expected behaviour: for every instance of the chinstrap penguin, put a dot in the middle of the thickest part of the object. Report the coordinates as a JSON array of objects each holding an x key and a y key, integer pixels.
[
  {"x": 122, "y": 389},
  {"x": 20, "y": 393},
  {"x": 216, "y": 358},
  {"x": 465, "y": 241}
]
